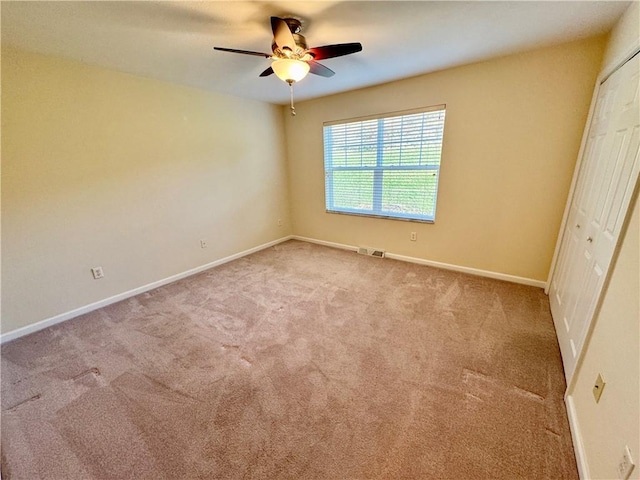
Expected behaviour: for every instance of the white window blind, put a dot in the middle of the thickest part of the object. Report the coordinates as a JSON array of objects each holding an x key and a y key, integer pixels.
[{"x": 385, "y": 166}]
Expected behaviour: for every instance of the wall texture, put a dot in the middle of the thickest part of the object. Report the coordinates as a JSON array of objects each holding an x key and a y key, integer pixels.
[
  {"x": 624, "y": 38},
  {"x": 614, "y": 346},
  {"x": 101, "y": 168},
  {"x": 512, "y": 135}
]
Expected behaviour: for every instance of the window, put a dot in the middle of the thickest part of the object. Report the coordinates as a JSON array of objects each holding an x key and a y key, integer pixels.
[{"x": 385, "y": 166}]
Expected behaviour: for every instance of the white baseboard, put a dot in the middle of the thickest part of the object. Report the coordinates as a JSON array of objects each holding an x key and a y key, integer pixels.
[
  {"x": 325, "y": 243},
  {"x": 578, "y": 446},
  {"x": 471, "y": 271},
  {"x": 34, "y": 327},
  {"x": 446, "y": 266}
]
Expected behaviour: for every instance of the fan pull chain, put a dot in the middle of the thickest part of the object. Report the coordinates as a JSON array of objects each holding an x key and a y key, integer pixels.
[{"x": 293, "y": 109}]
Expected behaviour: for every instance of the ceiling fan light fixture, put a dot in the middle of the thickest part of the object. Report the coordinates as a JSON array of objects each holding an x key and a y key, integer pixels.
[{"x": 290, "y": 70}]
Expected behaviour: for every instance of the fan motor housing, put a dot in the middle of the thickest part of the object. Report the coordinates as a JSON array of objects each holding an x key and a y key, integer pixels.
[
  {"x": 301, "y": 48},
  {"x": 295, "y": 24}
]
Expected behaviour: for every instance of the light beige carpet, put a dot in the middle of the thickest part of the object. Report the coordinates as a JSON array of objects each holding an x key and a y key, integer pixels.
[{"x": 296, "y": 362}]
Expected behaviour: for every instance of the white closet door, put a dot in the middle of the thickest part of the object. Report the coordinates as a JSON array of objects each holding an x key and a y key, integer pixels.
[{"x": 606, "y": 182}]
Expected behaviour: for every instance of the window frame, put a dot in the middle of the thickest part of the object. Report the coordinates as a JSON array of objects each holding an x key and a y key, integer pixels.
[{"x": 379, "y": 169}]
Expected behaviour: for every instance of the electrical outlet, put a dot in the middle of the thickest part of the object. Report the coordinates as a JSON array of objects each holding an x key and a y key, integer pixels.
[
  {"x": 598, "y": 388},
  {"x": 203, "y": 244},
  {"x": 97, "y": 273},
  {"x": 625, "y": 466},
  {"x": 413, "y": 237}
]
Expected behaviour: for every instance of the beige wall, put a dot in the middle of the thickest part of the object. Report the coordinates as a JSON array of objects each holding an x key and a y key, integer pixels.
[
  {"x": 512, "y": 135},
  {"x": 614, "y": 346},
  {"x": 103, "y": 168},
  {"x": 624, "y": 39}
]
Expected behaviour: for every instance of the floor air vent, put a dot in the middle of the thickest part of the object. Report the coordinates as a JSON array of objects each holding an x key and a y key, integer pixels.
[{"x": 372, "y": 252}]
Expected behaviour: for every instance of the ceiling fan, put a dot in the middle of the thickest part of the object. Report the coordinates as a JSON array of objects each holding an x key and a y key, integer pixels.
[{"x": 292, "y": 59}]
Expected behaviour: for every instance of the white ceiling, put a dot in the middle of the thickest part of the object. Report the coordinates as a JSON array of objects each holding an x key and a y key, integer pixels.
[{"x": 173, "y": 41}]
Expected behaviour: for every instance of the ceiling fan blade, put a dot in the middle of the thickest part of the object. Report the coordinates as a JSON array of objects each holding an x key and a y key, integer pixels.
[
  {"x": 338, "y": 50},
  {"x": 267, "y": 72},
  {"x": 244, "y": 52},
  {"x": 282, "y": 36},
  {"x": 319, "y": 69}
]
